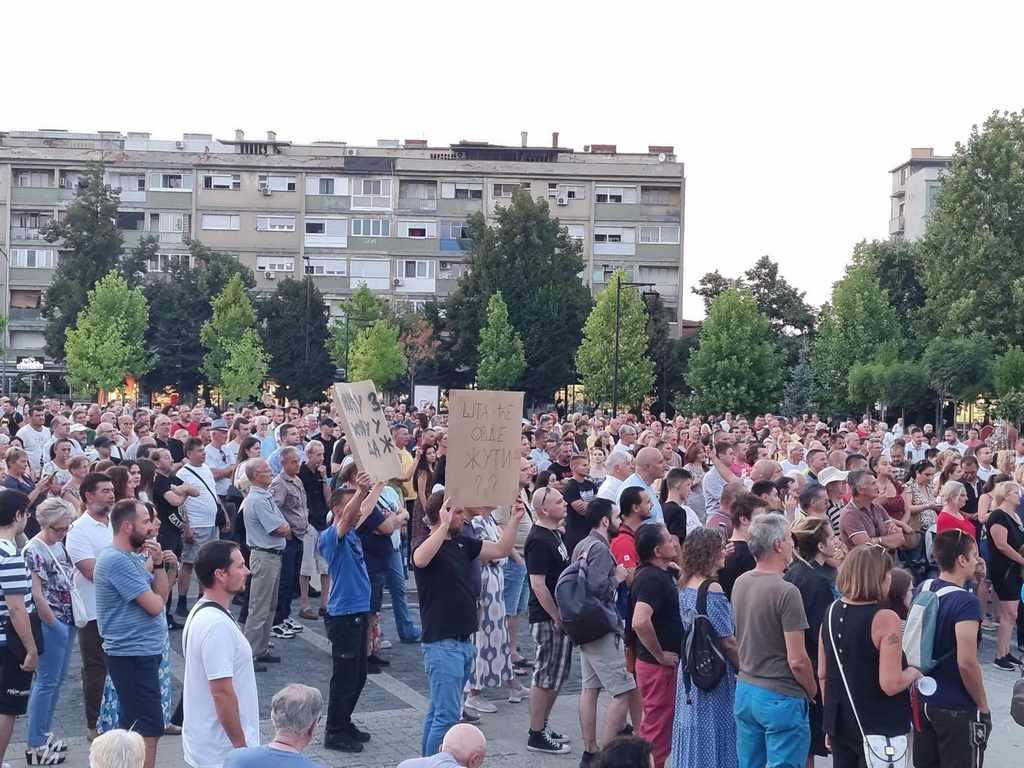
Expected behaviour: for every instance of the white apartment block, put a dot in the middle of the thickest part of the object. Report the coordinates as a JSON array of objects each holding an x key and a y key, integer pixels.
[
  {"x": 915, "y": 185},
  {"x": 390, "y": 216}
]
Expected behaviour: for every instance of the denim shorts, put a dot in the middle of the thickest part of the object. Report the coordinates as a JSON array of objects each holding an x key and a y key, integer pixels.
[
  {"x": 517, "y": 590},
  {"x": 189, "y": 552}
]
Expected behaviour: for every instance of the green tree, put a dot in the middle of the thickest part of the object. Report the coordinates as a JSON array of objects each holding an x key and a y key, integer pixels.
[
  {"x": 532, "y": 260},
  {"x": 419, "y": 343},
  {"x": 502, "y": 360},
  {"x": 737, "y": 365},
  {"x": 1008, "y": 371},
  {"x": 180, "y": 303},
  {"x": 377, "y": 355},
  {"x": 232, "y": 315},
  {"x": 973, "y": 272},
  {"x": 1010, "y": 407},
  {"x": 851, "y": 330},
  {"x": 959, "y": 367},
  {"x": 865, "y": 384},
  {"x": 595, "y": 358},
  {"x": 245, "y": 367},
  {"x": 897, "y": 265},
  {"x": 798, "y": 393},
  {"x": 293, "y": 323},
  {"x": 107, "y": 343},
  {"x": 360, "y": 310},
  {"x": 670, "y": 355},
  {"x": 91, "y": 246}
]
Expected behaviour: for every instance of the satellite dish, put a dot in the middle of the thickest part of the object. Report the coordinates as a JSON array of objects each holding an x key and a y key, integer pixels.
[{"x": 661, "y": 157}]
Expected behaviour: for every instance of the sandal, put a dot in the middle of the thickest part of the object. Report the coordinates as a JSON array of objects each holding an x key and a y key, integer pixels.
[
  {"x": 44, "y": 756},
  {"x": 309, "y": 614},
  {"x": 172, "y": 730}
]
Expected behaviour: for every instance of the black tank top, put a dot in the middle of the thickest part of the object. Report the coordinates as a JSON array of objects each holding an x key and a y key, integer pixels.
[{"x": 879, "y": 713}]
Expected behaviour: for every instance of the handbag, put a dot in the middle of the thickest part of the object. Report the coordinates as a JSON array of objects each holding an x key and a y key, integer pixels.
[
  {"x": 221, "y": 519},
  {"x": 879, "y": 751},
  {"x": 78, "y": 609}
]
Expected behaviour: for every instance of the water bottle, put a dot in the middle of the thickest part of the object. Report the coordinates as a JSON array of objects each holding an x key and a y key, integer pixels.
[{"x": 927, "y": 686}]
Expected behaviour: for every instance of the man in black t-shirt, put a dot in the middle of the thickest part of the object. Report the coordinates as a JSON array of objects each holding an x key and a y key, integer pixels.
[
  {"x": 448, "y": 608},
  {"x": 546, "y": 557},
  {"x": 560, "y": 467},
  {"x": 169, "y": 494},
  {"x": 659, "y": 630},
  {"x": 578, "y": 492}
]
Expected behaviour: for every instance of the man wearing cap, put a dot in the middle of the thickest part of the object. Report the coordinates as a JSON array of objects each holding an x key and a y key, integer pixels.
[
  {"x": 834, "y": 481},
  {"x": 218, "y": 459}
]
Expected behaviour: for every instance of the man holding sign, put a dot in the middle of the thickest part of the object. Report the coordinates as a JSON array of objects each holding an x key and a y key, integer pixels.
[{"x": 448, "y": 606}]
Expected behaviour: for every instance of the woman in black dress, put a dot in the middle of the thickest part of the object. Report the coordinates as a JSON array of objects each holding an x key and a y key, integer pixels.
[
  {"x": 814, "y": 543},
  {"x": 1006, "y": 536},
  {"x": 860, "y": 633}
]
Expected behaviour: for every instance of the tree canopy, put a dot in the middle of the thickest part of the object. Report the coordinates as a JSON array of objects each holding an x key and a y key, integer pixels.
[
  {"x": 502, "y": 360},
  {"x": 244, "y": 368},
  {"x": 232, "y": 315},
  {"x": 293, "y": 323},
  {"x": 377, "y": 354}
]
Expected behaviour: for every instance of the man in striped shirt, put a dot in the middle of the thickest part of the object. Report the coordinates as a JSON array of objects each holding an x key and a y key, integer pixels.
[{"x": 16, "y": 665}]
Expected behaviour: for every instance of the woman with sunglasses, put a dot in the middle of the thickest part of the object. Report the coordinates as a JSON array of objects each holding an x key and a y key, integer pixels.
[{"x": 52, "y": 574}]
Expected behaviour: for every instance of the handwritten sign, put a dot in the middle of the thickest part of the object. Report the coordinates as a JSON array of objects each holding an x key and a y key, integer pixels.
[
  {"x": 484, "y": 439},
  {"x": 367, "y": 430}
]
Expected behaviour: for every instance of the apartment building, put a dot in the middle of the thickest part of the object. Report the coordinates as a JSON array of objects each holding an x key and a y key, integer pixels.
[
  {"x": 915, "y": 186},
  {"x": 390, "y": 216}
]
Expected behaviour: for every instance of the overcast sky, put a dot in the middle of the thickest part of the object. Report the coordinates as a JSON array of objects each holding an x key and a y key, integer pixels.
[{"x": 788, "y": 115}]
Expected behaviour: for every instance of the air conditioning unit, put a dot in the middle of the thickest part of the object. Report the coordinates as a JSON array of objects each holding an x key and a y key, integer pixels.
[
  {"x": 265, "y": 190},
  {"x": 179, "y": 144},
  {"x": 396, "y": 282},
  {"x": 443, "y": 266},
  {"x": 563, "y": 201},
  {"x": 351, "y": 152},
  {"x": 269, "y": 275}
]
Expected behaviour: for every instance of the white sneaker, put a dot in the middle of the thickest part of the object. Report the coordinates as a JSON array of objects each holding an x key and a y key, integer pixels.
[
  {"x": 293, "y": 625},
  {"x": 480, "y": 705},
  {"x": 516, "y": 695},
  {"x": 282, "y": 631},
  {"x": 386, "y": 644}
]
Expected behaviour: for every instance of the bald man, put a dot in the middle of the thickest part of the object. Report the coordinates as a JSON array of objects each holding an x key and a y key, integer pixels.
[
  {"x": 765, "y": 469},
  {"x": 650, "y": 466},
  {"x": 464, "y": 745}
]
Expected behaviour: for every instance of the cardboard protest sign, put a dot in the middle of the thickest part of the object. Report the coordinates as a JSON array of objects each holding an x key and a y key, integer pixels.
[
  {"x": 367, "y": 430},
  {"x": 484, "y": 440}
]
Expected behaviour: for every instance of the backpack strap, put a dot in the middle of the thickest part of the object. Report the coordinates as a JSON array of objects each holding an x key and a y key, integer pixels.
[
  {"x": 188, "y": 625},
  {"x": 702, "y": 597},
  {"x": 948, "y": 590}
]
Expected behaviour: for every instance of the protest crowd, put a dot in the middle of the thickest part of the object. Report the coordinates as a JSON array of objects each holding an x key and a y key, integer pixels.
[{"x": 746, "y": 593}]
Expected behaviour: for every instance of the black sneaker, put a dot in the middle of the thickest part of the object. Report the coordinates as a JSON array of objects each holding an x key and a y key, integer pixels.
[
  {"x": 359, "y": 735},
  {"x": 1014, "y": 659},
  {"x": 373, "y": 669},
  {"x": 1004, "y": 663},
  {"x": 539, "y": 742},
  {"x": 373, "y": 658},
  {"x": 556, "y": 737},
  {"x": 469, "y": 717},
  {"x": 269, "y": 658},
  {"x": 342, "y": 742},
  {"x": 588, "y": 759}
]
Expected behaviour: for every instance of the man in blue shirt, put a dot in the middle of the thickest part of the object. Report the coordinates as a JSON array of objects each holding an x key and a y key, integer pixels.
[
  {"x": 347, "y": 609},
  {"x": 650, "y": 466},
  {"x": 131, "y": 591},
  {"x": 955, "y": 721}
]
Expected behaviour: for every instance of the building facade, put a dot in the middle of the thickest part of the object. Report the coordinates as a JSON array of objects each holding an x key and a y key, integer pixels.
[
  {"x": 390, "y": 216},
  {"x": 915, "y": 186}
]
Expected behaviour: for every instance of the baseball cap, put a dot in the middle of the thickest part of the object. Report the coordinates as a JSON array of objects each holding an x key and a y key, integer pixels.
[
  {"x": 219, "y": 425},
  {"x": 77, "y": 428}
]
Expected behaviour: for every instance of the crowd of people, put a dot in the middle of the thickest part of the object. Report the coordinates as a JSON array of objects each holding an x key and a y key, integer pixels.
[{"x": 746, "y": 593}]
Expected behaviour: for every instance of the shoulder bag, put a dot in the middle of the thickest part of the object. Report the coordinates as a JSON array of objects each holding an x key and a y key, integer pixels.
[
  {"x": 879, "y": 751},
  {"x": 78, "y": 609},
  {"x": 221, "y": 519}
]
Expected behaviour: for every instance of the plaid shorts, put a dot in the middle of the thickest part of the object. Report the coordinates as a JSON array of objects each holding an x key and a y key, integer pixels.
[{"x": 554, "y": 656}]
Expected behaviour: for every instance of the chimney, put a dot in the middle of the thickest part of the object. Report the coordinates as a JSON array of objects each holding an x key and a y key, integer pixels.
[
  {"x": 239, "y": 134},
  {"x": 604, "y": 149},
  {"x": 271, "y": 136},
  {"x": 522, "y": 135},
  {"x": 554, "y": 139}
]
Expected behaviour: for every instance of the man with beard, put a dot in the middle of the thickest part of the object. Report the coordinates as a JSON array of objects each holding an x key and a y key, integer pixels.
[{"x": 130, "y": 596}]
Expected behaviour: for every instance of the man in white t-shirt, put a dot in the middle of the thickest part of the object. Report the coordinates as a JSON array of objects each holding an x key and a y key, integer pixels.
[
  {"x": 619, "y": 465},
  {"x": 200, "y": 514},
  {"x": 89, "y": 535},
  {"x": 795, "y": 460},
  {"x": 35, "y": 436},
  {"x": 220, "y": 700}
]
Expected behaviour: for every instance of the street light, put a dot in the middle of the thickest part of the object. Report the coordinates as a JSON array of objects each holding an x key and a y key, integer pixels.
[{"x": 618, "y": 318}]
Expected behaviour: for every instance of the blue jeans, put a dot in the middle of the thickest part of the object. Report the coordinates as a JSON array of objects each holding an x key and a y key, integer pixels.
[
  {"x": 58, "y": 643},
  {"x": 772, "y": 730},
  {"x": 408, "y": 632},
  {"x": 448, "y": 664},
  {"x": 516, "y": 590}
]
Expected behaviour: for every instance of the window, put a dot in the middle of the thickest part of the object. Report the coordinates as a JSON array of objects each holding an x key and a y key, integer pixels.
[
  {"x": 576, "y": 231},
  {"x": 417, "y": 190},
  {"x": 326, "y": 267},
  {"x": 275, "y": 264},
  {"x": 423, "y": 270},
  {"x": 33, "y": 258},
  {"x": 221, "y": 221},
  {"x": 615, "y": 194},
  {"x": 931, "y": 194},
  {"x": 165, "y": 262},
  {"x": 371, "y": 228},
  {"x": 31, "y": 219},
  {"x": 171, "y": 181},
  {"x": 504, "y": 190},
  {"x": 607, "y": 237},
  {"x": 373, "y": 268},
  {"x": 327, "y": 185},
  {"x": 277, "y": 183},
  {"x": 600, "y": 276},
  {"x": 275, "y": 223},
  {"x": 132, "y": 221},
  {"x": 24, "y": 178},
  {"x": 369, "y": 187},
  {"x": 371, "y": 193},
  {"x": 316, "y": 227},
  {"x": 454, "y": 230},
  {"x": 170, "y": 222},
  {"x": 323, "y": 226},
  {"x": 462, "y": 191},
  {"x": 565, "y": 191},
  {"x": 668, "y": 234},
  {"x": 175, "y": 182},
  {"x": 417, "y": 229},
  {"x": 223, "y": 181},
  {"x": 659, "y": 196},
  {"x": 128, "y": 182}
]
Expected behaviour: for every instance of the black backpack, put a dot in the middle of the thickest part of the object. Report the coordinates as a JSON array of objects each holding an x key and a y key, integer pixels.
[
  {"x": 703, "y": 659},
  {"x": 584, "y": 619}
]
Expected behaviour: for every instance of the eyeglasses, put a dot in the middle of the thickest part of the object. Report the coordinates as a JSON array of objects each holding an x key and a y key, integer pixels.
[
  {"x": 545, "y": 490},
  {"x": 59, "y": 528}
]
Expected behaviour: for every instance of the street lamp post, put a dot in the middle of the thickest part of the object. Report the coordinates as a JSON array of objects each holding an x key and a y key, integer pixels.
[{"x": 618, "y": 321}]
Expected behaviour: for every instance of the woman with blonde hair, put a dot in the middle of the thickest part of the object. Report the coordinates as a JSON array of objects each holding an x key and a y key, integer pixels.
[
  {"x": 1006, "y": 462},
  {"x": 1006, "y": 534},
  {"x": 952, "y": 517},
  {"x": 870, "y": 689},
  {"x": 79, "y": 468},
  {"x": 117, "y": 749}
]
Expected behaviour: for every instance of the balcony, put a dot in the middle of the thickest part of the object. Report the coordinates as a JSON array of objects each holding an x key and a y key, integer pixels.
[
  {"x": 614, "y": 249},
  {"x": 416, "y": 204},
  {"x": 416, "y": 285},
  {"x": 897, "y": 225},
  {"x": 38, "y": 195},
  {"x": 27, "y": 319},
  {"x": 325, "y": 241},
  {"x": 328, "y": 203},
  {"x": 27, "y": 233}
]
